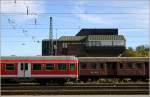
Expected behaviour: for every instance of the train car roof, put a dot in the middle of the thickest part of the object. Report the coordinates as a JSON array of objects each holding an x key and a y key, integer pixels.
[
  {"x": 39, "y": 57},
  {"x": 113, "y": 59}
]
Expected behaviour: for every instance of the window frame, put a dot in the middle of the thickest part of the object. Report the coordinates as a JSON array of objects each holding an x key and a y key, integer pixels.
[
  {"x": 101, "y": 65},
  {"x": 93, "y": 43},
  {"x": 6, "y": 68},
  {"x": 98, "y": 43},
  {"x": 24, "y": 66},
  {"x": 93, "y": 66},
  {"x": 121, "y": 66},
  {"x": 81, "y": 66},
  {"x": 58, "y": 65},
  {"x": 64, "y": 45},
  {"x": 36, "y": 64},
  {"x": 106, "y": 43},
  {"x": 130, "y": 66},
  {"x": 21, "y": 66},
  {"x": 89, "y": 43},
  {"x": 118, "y": 43},
  {"x": 139, "y": 66},
  {"x": 53, "y": 65},
  {"x": 74, "y": 66}
]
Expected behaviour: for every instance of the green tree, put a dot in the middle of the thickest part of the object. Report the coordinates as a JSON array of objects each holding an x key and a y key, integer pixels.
[
  {"x": 129, "y": 52},
  {"x": 140, "y": 51}
]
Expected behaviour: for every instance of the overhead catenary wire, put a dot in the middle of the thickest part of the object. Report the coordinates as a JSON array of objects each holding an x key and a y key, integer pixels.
[
  {"x": 69, "y": 4},
  {"x": 41, "y": 41},
  {"x": 129, "y": 36},
  {"x": 78, "y": 0},
  {"x": 60, "y": 13},
  {"x": 69, "y": 13},
  {"x": 69, "y": 28}
]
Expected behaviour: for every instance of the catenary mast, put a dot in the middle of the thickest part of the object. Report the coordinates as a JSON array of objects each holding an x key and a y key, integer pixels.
[{"x": 51, "y": 37}]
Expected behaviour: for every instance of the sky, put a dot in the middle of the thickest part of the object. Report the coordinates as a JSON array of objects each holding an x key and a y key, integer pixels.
[{"x": 25, "y": 23}]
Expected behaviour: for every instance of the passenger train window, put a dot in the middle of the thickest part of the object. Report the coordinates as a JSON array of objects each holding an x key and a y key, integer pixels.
[
  {"x": 72, "y": 66},
  {"x": 62, "y": 66},
  {"x": 93, "y": 66},
  {"x": 24, "y": 66},
  {"x": 10, "y": 66},
  {"x": 21, "y": 66},
  {"x": 130, "y": 66},
  {"x": 101, "y": 65},
  {"x": 36, "y": 66},
  {"x": 146, "y": 64},
  {"x": 49, "y": 66},
  {"x": 121, "y": 65},
  {"x": 139, "y": 65},
  {"x": 83, "y": 66}
]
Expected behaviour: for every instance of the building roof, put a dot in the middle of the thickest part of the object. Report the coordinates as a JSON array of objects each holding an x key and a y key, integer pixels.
[
  {"x": 71, "y": 38},
  {"x": 87, "y": 31},
  {"x": 106, "y": 37},
  {"x": 89, "y": 37}
]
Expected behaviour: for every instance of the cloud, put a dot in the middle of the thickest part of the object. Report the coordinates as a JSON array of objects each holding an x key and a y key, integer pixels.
[
  {"x": 80, "y": 8},
  {"x": 21, "y": 7},
  {"x": 139, "y": 7},
  {"x": 91, "y": 18},
  {"x": 111, "y": 20}
]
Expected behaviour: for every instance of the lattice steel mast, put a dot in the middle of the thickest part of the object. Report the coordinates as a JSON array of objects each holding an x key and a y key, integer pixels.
[{"x": 51, "y": 37}]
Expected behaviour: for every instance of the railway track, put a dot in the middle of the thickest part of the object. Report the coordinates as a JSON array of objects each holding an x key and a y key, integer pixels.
[{"x": 74, "y": 89}]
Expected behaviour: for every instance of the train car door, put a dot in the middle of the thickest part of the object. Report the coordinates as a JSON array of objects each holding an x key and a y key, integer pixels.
[
  {"x": 24, "y": 70},
  {"x": 111, "y": 68}
]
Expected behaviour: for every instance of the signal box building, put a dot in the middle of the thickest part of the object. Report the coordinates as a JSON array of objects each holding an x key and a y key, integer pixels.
[{"x": 86, "y": 43}]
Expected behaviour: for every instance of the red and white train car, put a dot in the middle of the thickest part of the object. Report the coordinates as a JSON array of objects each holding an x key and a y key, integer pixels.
[{"x": 42, "y": 68}]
